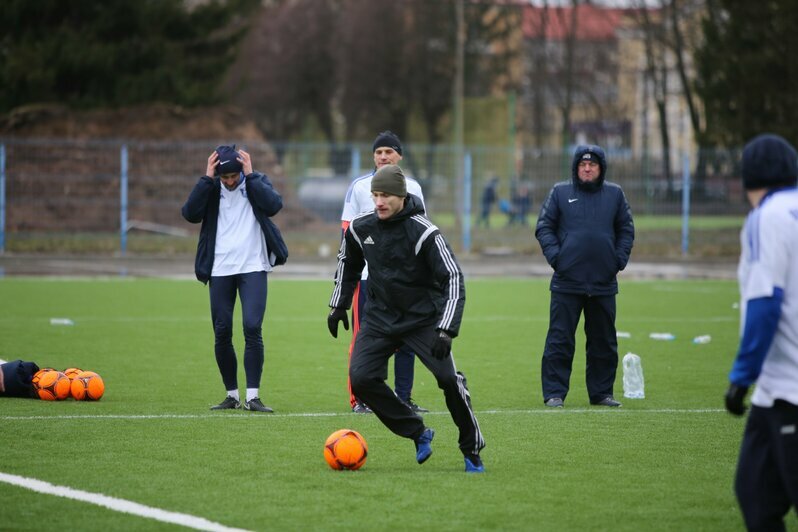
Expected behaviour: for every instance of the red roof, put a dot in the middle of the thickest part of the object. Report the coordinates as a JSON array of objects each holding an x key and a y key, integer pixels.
[{"x": 554, "y": 23}]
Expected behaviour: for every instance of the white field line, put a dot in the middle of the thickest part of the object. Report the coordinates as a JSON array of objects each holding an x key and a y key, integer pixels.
[
  {"x": 118, "y": 505},
  {"x": 248, "y": 416},
  {"x": 314, "y": 319}
]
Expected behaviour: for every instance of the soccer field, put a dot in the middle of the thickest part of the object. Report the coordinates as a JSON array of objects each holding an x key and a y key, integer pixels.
[{"x": 665, "y": 462}]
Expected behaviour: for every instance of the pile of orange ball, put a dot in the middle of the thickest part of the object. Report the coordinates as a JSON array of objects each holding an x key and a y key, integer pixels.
[{"x": 53, "y": 385}]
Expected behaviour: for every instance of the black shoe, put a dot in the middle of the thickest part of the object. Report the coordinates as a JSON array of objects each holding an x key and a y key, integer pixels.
[
  {"x": 361, "y": 408},
  {"x": 256, "y": 405},
  {"x": 414, "y": 407},
  {"x": 554, "y": 402},
  {"x": 607, "y": 401},
  {"x": 229, "y": 403}
]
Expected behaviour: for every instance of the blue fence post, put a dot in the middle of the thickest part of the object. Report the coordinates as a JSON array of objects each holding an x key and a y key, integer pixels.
[
  {"x": 2, "y": 199},
  {"x": 467, "y": 202},
  {"x": 685, "y": 204},
  {"x": 123, "y": 200},
  {"x": 354, "y": 170}
]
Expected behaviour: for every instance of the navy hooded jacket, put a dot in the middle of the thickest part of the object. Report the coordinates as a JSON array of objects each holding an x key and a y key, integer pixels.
[
  {"x": 586, "y": 231},
  {"x": 202, "y": 205}
]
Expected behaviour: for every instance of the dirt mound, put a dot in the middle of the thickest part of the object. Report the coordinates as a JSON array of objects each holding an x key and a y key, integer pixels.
[
  {"x": 67, "y": 161},
  {"x": 148, "y": 123}
]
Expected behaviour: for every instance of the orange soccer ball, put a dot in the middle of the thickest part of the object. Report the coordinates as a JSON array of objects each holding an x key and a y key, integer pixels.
[
  {"x": 72, "y": 372},
  {"x": 345, "y": 449},
  {"x": 87, "y": 386},
  {"x": 38, "y": 375},
  {"x": 51, "y": 385}
]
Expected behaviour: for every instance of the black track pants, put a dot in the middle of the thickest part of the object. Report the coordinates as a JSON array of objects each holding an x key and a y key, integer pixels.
[
  {"x": 368, "y": 371},
  {"x": 601, "y": 346}
]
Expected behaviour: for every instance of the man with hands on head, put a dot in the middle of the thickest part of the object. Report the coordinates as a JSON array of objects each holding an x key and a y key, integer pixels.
[
  {"x": 416, "y": 297},
  {"x": 238, "y": 246},
  {"x": 766, "y": 482}
]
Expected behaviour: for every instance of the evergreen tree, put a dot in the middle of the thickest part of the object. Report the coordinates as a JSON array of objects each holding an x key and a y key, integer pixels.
[
  {"x": 747, "y": 73},
  {"x": 85, "y": 54}
]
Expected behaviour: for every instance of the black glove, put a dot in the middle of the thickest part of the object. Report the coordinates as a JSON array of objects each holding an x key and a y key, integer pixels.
[
  {"x": 442, "y": 347},
  {"x": 336, "y": 315},
  {"x": 734, "y": 399}
]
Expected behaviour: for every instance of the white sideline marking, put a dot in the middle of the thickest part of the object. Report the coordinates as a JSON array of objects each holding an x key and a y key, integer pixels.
[
  {"x": 734, "y": 316},
  {"x": 547, "y": 411},
  {"x": 118, "y": 505},
  {"x": 2, "y": 361}
]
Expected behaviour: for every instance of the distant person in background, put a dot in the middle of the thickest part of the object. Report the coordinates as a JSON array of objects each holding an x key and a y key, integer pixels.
[
  {"x": 523, "y": 203},
  {"x": 586, "y": 232},
  {"x": 520, "y": 203},
  {"x": 238, "y": 246},
  {"x": 766, "y": 483},
  {"x": 489, "y": 197},
  {"x": 387, "y": 149}
]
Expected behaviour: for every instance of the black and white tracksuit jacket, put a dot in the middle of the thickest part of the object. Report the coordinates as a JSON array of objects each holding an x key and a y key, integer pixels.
[{"x": 404, "y": 293}]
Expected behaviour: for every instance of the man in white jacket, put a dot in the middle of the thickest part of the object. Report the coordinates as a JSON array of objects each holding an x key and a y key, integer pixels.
[{"x": 766, "y": 483}]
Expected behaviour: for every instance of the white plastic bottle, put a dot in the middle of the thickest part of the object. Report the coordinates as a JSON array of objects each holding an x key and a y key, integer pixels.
[{"x": 633, "y": 384}]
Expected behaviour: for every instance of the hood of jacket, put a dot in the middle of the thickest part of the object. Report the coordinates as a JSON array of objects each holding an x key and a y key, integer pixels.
[{"x": 602, "y": 160}]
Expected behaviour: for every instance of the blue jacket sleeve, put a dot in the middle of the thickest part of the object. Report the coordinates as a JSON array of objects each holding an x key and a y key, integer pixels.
[
  {"x": 546, "y": 228},
  {"x": 195, "y": 207},
  {"x": 761, "y": 320},
  {"x": 262, "y": 194},
  {"x": 624, "y": 232}
]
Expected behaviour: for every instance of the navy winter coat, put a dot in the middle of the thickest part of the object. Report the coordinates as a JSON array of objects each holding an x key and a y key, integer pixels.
[
  {"x": 202, "y": 205},
  {"x": 586, "y": 232}
]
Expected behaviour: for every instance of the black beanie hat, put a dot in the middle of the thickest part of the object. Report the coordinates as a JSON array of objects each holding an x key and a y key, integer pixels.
[
  {"x": 387, "y": 139},
  {"x": 769, "y": 161},
  {"x": 228, "y": 160},
  {"x": 389, "y": 179}
]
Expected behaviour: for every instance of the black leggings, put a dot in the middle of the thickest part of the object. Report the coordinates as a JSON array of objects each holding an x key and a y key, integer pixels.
[{"x": 252, "y": 290}]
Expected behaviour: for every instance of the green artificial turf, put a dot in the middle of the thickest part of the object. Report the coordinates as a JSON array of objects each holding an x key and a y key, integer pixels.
[{"x": 665, "y": 462}]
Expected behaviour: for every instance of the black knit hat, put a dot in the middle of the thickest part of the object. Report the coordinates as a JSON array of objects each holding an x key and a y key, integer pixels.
[
  {"x": 228, "y": 160},
  {"x": 769, "y": 161},
  {"x": 389, "y": 179},
  {"x": 387, "y": 139}
]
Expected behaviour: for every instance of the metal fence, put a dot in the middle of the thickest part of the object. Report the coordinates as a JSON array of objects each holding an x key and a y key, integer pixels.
[{"x": 125, "y": 196}]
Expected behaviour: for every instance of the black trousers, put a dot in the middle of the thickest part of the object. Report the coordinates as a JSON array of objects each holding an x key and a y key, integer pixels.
[
  {"x": 252, "y": 290},
  {"x": 601, "y": 347},
  {"x": 404, "y": 360},
  {"x": 368, "y": 371},
  {"x": 767, "y": 472}
]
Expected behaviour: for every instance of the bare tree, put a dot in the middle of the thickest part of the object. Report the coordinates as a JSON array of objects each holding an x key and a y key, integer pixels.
[
  {"x": 286, "y": 68},
  {"x": 540, "y": 79},
  {"x": 686, "y": 38},
  {"x": 656, "y": 76},
  {"x": 356, "y": 67}
]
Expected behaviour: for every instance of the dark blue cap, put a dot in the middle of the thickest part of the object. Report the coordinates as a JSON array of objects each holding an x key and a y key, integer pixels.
[{"x": 228, "y": 160}]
